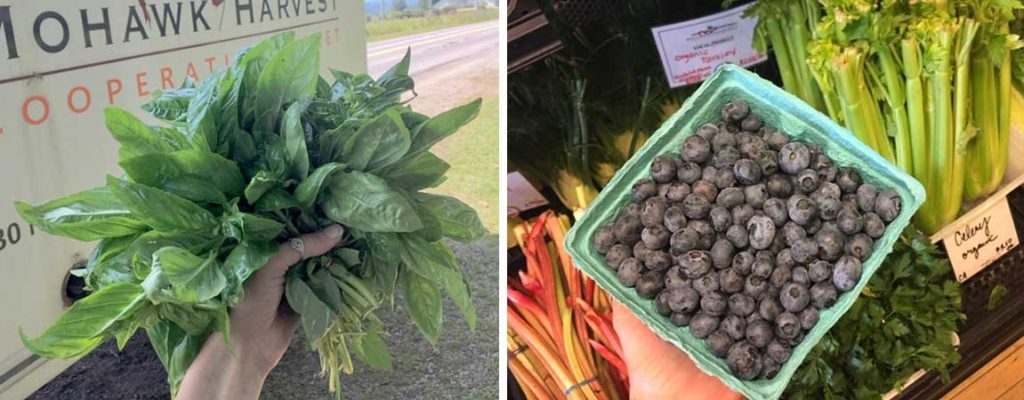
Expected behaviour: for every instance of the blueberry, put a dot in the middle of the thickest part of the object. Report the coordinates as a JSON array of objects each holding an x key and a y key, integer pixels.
[
  {"x": 730, "y": 281},
  {"x": 745, "y": 361},
  {"x": 828, "y": 208},
  {"x": 604, "y": 238},
  {"x": 859, "y": 246},
  {"x": 721, "y": 253},
  {"x": 780, "y": 275},
  {"x": 793, "y": 232},
  {"x": 819, "y": 271},
  {"x": 769, "y": 162},
  {"x": 751, "y": 123},
  {"x": 752, "y": 148},
  {"x": 683, "y": 300},
  {"x": 823, "y": 294},
  {"x": 787, "y": 325},
  {"x": 747, "y": 171},
  {"x": 617, "y": 254},
  {"x": 650, "y": 283},
  {"x": 808, "y": 317},
  {"x": 741, "y": 304},
  {"x": 776, "y": 210},
  {"x": 775, "y": 139},
  {"x": 683, "y": 241},
  {"x": 721, "y": 219},
  {"x": 846, "y": 273},
  {"x": 762, "y": 232},
  {"x": 661, "y": 303},
  {"x": 730, "y": 197},
  {"x": 755, "y": 286},
  {"x": 675, "y": 279},
  {"x": 725, "y": 158},
  {"x": 779, "y": 352},
  {"x": 742, "y": 262},
  {"x": 756, "y": 195},
  {"x": 830, "y": 243},
  {"x": 655, "y": 236},
  {"x": 801, "y": 209},
  {"x": 708, "y": 131},
  {"x": 705, "y": 233},
  {"x": 887, "y": 205},
  {"x": 718, "y": 343},
  {"x": 674, "y": 219},
  {"x": 866, "y": 195},
  {"x": 804, "y": 250},
  {"x": 702, "y": 324},
  {"x": 677, "y": 191},
  {"x": 761, "y": 269},
  {"x": 735, "y": 111},
  {"x": 657, "y": 260},
  {"x": 800, "y": 276},
  {"x": 663, "y": 169},
  {"x": 738, "y": 236},
  {"x": 640, "y": 251},
  {"x": 696, "y": 263},
  {"x": 873, "y": 225},
  {"x": 828, "y": 173},
  {"x": 742, "y": 213},
  {"x": 785, "y": 259},
  {"x": 734, "y": 326},
  {"x": 794, "y": 297},
  {"x": 629, "y": 271},
  {"x": 644, "y": 189},
  {"x": 722, "y": 140},
  {"x": 706, "y": 189},
  {"x": 849, "y": 221},
  {"x": 826, "y": 189},
  {"x": 794, "y": 157},
  {"x": 770, "y": 369},
  {"x": 706, "y": 284},
  {"x": 680, "y": 319},
  {"x": 627, "y": 229},
  {"x": 695, "y": 149},
  {"x": 848, "y": 180},
  {"x": 696, "y": 206},
  {"x": 689, "y": 172},
  {"x": 769, "y": 307},
  {"x": 759, "y": 333},
  {"x": 724, "y": 179},
  {"x": 708, "y": 173},
  {"x": 653, "y": 212},
  {"x": 806, "y": 181},
  {"x": 713, "y": 303}
]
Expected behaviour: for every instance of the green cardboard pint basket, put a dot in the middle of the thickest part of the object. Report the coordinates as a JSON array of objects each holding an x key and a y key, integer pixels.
[{"x": 788, "y": 114}]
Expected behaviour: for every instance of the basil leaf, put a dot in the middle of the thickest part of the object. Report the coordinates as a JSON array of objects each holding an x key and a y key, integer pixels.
[
  {"x": 137, "y": 138},
  {"x": 308, "y": 190},
  {"x": 295, "y": 141},
  {"x": 370, "y": 349},
  {"x": 443, "y": 125},
  {"x": 90, "y": 215},
  {"x": 289, "y": 76},
  {"x": 426, "y": 259},
  {"x": 250, "y": 227},
  {"x": 421, "y": 171},
  {"x": 253, "y": 63},
  {"x": 397, "y": 72},
  {"x": 423, "y": 300},
  {"x": 203, "y": 113},
  {"x": 164, "y": 170},
  {"x": 241, "y": 263},
  {"x": 324, "y": 285},
  {"x": 160, "y": 210},
  {"x": 176, "y": 350},
  {"x": 193, "y": 320},
  {"x": 458, "y": 220},
  {"x": 316, "y": 316},
  {"x": 276, "y": 199},
  {"x": 454, "y": 282},
  {"x": 86, "y": 324},
  {"x": 193, "y": 279},
  {"x": 110, "y": 263},
  {"x": 365, "y": 202},
  {"x": 260, "y": 184},
  {"x": 379, "y": 143},
  {"x": 170, "y": 105}
]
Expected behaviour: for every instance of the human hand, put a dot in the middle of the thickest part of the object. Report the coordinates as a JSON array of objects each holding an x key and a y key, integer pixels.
[
  {"x": 659, "y": 370},
  {"x": 261, "y": 329}
]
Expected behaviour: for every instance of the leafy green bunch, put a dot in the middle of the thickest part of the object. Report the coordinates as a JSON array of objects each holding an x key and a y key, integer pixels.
[
  {"x": 902, "y": 322},
  {"x": 256, "y": 153}
]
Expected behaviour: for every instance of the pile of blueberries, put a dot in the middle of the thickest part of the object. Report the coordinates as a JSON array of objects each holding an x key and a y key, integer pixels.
[{"x": 744, "y": 236}]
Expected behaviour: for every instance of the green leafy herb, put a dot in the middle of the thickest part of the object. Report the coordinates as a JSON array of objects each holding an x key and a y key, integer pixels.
[
  {"x": 259, "y": 152},
  {"x": 996, "y": 297}
]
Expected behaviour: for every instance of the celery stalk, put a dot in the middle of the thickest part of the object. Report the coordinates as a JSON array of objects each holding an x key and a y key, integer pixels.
[
  {"x": 896, "y": 99},
  {"x": 916, "y": 124},
  {"x": 940, "y": 171},
  {"x": 800, "y": 37},
  {"x": 961, "y": 134},
  {"x": 983, "y": 150},
  {"x": 780, "y": 48},
  {"x": 1004, "y": 83}
]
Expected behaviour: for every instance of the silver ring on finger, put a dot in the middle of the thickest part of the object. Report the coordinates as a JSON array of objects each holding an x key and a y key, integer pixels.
[{"x": 299, "y": 246}]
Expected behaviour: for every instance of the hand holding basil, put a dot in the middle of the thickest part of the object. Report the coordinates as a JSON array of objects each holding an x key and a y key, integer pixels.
[{"x": 254, "y": 154}]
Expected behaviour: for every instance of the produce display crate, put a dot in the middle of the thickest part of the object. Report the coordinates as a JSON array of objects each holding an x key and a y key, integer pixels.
[{"x": 788, "y": 114}]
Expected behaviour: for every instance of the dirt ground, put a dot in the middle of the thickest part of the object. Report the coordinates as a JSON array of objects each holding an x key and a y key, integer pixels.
[{"x": 464, "y": 365}]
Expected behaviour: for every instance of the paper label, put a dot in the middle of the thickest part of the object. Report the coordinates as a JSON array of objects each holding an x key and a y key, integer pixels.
[
  {"x": 691, "y": 50},
  {"x": 982, "y": 240},
  {"x": 522, "y": 195}
]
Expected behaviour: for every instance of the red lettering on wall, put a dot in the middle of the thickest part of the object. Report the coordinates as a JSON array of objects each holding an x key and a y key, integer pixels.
[
  {"x": 191, "y": 71},
  {"x": 140, "y": 84},
  {"x": 25, "y": 110},
  {"x": 113, "y": 88},
  {"x": 209, "y": 62},
  {"x": 71, "y": 99},
  {"x": 166, "y": 78}
]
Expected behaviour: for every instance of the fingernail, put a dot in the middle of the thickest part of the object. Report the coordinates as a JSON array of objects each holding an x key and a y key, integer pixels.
[{"x": 334, "y": 231}]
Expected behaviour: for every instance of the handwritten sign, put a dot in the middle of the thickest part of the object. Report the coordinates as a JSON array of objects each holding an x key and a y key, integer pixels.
[
  {"x": 691, "y": 50},
  {"x": 522, "y": 195},
  {"x": 981, "y": 240}
]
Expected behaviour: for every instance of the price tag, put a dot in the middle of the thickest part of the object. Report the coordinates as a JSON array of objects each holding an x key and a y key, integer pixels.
[
  {"x": 978, "y": 242},
  {"x": 691, "y": 50},
  {"x": 522, "y": 195}
]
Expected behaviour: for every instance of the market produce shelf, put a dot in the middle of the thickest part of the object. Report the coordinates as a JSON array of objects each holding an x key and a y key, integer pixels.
[{"x": 985, "y": 333}]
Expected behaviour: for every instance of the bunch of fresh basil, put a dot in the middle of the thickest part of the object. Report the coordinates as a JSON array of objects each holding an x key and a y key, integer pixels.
[{"x": 257, "y": 153}]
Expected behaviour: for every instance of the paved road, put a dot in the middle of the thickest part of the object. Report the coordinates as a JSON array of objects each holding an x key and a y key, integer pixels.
[{"x": 441, "y": 48}]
